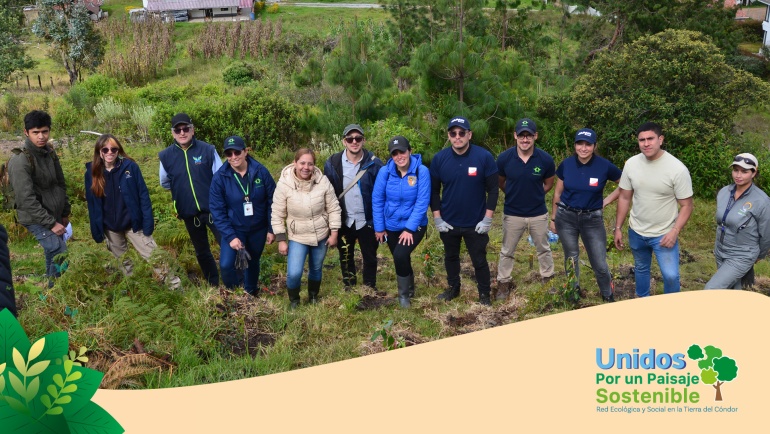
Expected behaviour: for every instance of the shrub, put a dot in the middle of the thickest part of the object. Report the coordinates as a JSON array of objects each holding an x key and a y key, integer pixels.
[
  {"x": 239, "y": 74},
  {"x": 273, "y": 8},
  {"x": 142, "y": 117},
  {"x": 11, "y": 112},
  {"x": 109, "y": 112},
  {"x": 98, "y": 85}
]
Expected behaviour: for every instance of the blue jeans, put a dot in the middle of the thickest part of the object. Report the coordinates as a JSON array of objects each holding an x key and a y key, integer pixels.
[
  {"x": 52, "y": 245},
  {"x": 255, "y": 244},
  {"x": 590, "y": 227},
  {"x": 295, "y": 262},
  {"x": 668, "y": 261}
]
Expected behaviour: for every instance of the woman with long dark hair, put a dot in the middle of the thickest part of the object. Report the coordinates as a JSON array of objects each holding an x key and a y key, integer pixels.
[{"x": 119, "y": 206}]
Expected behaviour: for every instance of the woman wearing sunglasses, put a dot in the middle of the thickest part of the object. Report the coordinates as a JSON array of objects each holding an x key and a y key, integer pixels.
[
  {"x": 743, "y": 225},
  {"x": 240, "y": 200},
  {"x": 119, "y": 206},
  {"x": 400, "y": 203},
  {"x": 306, "y": 219}
]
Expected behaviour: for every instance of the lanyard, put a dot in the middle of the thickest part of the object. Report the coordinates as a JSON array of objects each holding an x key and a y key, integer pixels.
[
  {"x": 730, "y": 203},
  {"x": 246, "y": 190}
]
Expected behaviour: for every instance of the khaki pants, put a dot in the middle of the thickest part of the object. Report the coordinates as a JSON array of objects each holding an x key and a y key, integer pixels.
[
  {"x": 513, "y": 230},
  {"x": 117, "y": 244}
]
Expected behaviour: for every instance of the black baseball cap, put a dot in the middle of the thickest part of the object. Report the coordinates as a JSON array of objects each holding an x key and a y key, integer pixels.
[
  {"x": 180, "y": 118},
  {"x": 235, "y": 142}
]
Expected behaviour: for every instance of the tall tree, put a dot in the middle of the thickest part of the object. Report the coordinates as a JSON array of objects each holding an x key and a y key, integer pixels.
[
  {"x": 408, "y": 27},
  {"x": 12, "y": 55},
  {"x": 74, "y": 42}
]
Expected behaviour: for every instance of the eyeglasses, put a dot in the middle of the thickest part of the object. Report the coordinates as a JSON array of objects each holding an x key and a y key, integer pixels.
[
  {"x": 110, "y": 150},
  {"x": 230, "y": 152},
  {"x": 397, "y": 152},
  {"x": 183, "y": 129},
  {"x": 455, "y": 133},
  {"x": 357, "y": 139},
  {"x": 748, "y": 161},
  {"x": 525, "y": 136}
]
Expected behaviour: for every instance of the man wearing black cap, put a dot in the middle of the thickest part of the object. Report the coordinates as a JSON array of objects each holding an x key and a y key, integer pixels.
[
  {"x": 526, "y": 175},
  {"x": 186, "y": 168},
  {"x": 352, "y": 172},
  {"x": 463, "y": 200}
]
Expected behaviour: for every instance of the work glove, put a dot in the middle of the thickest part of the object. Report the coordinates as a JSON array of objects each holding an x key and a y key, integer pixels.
[
  {"x": 484, "y": 225},
  {"x": 441, "y": 225},
  {"x": 242, "y": 259}
]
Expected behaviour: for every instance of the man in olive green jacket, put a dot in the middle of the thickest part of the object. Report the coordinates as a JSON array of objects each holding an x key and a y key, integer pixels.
[{"x": 39, "y": 190}]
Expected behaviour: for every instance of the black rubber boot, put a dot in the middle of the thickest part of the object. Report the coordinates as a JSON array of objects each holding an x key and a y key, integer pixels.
[
  {"x": 411, "y": 285},
  {"x": 610, "y": 299},
  {"x": 313, "y": 288},
  {"x": 293, "y": 297},
  {"x": 450, "y": 294},
  {"x": 403, "y": 291}
]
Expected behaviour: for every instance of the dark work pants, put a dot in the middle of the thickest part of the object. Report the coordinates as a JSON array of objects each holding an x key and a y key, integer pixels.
[
  {"x": 346, "y": 244},
  {"x": 402, "y": 254},
  {"x": 477, "y": 250},
  {"x": 196, "y": 228}
]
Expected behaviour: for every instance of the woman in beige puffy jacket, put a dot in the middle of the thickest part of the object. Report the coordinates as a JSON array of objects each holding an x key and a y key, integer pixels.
[{"x": 305, "y": 218}]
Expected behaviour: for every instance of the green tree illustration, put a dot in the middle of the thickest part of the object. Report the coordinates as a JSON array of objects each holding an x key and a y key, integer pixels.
[
  {"x": 43, "y": 388},
  {"x": 716, "y": 369}
]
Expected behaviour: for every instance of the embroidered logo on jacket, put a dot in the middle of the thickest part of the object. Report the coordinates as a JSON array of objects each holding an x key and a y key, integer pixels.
[
  {"x": 411, "y": 180},
  {"x": 198, "y": 159}
]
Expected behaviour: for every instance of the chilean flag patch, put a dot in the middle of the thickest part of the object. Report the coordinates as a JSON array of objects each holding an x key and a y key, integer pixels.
[
  {"x": 593, "y": 182},
  {"x": 472, "y": 171}
]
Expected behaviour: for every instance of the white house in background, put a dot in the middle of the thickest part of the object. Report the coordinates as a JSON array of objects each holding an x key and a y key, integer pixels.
[
  {"x": 766, "y": 23},
  {"x": 199, "y": 8}
]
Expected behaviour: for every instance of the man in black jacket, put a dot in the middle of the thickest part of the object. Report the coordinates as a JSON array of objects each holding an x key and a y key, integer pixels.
[
  {"x": 7, "y": 298},
  {"x": 357, "y": 166}
]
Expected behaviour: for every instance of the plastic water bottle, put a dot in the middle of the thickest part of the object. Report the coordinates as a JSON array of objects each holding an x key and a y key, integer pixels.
[{"x": 552, "y": 238}]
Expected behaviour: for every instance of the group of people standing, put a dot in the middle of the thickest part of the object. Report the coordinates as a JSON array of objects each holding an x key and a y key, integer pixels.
[{"x": 358, "y": 198}]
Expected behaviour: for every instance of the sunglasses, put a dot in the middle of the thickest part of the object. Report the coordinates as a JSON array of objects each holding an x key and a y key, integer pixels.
[
  {"x": 183, "y": 129},
  {"x": 748, "y": 161},
  {"x": 230, "y": 152},
  {"x": 106, "y": 150},
  {"x": 357, "y": 139},
  {"x": 456, "y": 133}
]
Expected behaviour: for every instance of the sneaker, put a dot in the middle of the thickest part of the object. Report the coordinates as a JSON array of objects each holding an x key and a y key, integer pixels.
[
  {"x": 449, "y": 295},
  {"x": 484, "y": 299}
]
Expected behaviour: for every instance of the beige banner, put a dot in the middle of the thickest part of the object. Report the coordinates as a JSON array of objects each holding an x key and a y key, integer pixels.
[{"x": 534, "y": 376}]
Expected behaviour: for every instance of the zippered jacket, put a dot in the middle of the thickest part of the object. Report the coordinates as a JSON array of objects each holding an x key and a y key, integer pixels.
[
  {"x": 135, "y": 196},
  {"x": 227, "y": 199},
  {"x": 745, "y": 234},
  {"x": 304, "y": 211},
  {"x": 188, "y": 174},
  {"x": 401, "y": 203},
  {"x": 370, "y": 163},
  {"x": 40, "y": 192}
]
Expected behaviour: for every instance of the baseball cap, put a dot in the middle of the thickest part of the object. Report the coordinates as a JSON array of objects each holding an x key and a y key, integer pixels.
[
  {"x": 180, "y": 118},
  {"x": 586, "y": 135},
  {"x": 459, "y": 121},
  {"x": 399, "y": 143},
  {"x": 745, "y": 160},
  {"x": 527, "y": 125},
  {"x": 234, "y": 142},
  {"x": 352, "y": 127}
]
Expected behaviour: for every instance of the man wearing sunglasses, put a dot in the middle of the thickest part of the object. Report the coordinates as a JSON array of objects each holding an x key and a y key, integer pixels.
[
  {"x": 527, "y": 173},
  {"x": 187, "y": 167},
  {"x": 40, "y": 194},
  {"x": 661, "y": 189},
  {"x": 463, "y": 200},
  {"x": 352, "y": 173}
]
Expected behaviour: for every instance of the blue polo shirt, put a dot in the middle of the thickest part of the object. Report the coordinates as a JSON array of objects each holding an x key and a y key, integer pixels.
[
  {"x": 524, "y": 192},
  {"x": 463, "y": 179},
  {"x": 584, "y": 183}
]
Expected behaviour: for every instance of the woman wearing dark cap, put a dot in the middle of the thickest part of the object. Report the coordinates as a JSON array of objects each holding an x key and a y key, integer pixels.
[
  {"x": 399, "y": 209},
  {"x": 577, "y": 208},
  {"x": 743, "y": 225},
  {"x": 240, "y": 202},
  {"x": 119, "y": 206}
]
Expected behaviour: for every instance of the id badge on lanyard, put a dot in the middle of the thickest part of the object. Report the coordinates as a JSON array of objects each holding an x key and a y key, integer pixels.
[{"x": 248, "y": 208}]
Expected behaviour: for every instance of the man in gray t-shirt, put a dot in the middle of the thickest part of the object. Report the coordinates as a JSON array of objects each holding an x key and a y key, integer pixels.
[{"x": 661, "y": 189}]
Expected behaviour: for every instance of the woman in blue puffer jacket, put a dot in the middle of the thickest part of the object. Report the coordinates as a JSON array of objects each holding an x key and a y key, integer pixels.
[{"x": 399, "y": 205}]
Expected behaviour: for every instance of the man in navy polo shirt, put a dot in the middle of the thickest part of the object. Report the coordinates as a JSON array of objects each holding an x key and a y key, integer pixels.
[
  {"x": 526, "y": 175},
  {"x": 463, "y": 200}
]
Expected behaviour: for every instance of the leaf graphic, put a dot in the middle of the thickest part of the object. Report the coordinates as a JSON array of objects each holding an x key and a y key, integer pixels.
[
  {"x": 18, "y": 361},
  {"x": 32, "y": 389},
  {"x": 64, "y": 399},
  {"x": 87, "y": 385},
  {"x": 16, "y": 405},
  {"x": 17, "y": 384},
  {"x": 68, "y": 367},
  {"x": 2, "y": 367},
  {"x": 75, "y": 376},
  {"x": 56, "y": 346},
  {"x": 36, "y": 349},
  {"x": 55, "y": 410},
  {"x": 2, "y": 385},
  {"x": 58, "y": 380},
  {"x": 11, "y": 336},
  {"x": 38, "y": 368},
  {"x": 51, "y": 389},
  {"x": 46, "y": 400},
  {"x": 92, "y": 419},
  {"x": 70, "y": 388}
]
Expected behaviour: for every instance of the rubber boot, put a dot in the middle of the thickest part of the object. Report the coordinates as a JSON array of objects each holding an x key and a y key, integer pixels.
[
  {"x": 293, "y": 297},
  {"x": 450, "y": 294},
  {"x": 411, "y": 285},
  {"x": 403, "y": 291},
  {"x": 313, "y": 288}
]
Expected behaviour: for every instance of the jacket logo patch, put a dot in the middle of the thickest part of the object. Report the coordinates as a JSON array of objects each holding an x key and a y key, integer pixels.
[
  {"x": 473, "y": 171},
  {"x": 411, "y": 180},
  {"x": 198, "y": 160},
  {"x": 745, "y": 208},
  {"x": 128, "y": 173},
  {"x": 536, "y": 171},
  {"x": 593, "y": 182},
  {"x": 258, "y": 182}
]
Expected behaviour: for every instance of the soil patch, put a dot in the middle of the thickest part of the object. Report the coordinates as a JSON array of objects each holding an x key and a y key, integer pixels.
[
  {"x": 374, "y": 301},
  {"x": 246, "y": 328}
]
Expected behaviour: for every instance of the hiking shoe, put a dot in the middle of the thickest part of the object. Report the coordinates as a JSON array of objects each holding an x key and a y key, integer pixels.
[
  {"x": 610, "y": 299},
  {"x": 450, "y": 294},
  {"x": 484, "y": 299}
]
